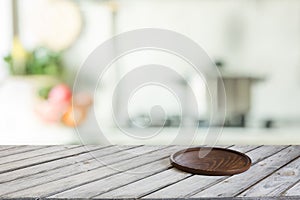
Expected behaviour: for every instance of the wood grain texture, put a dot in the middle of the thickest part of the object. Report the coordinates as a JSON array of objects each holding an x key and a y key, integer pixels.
[
  {"x": 10, "y": 150},
  {"x": 213, "y": 161},
  {"x": 78, "y": 164},
  {"x": 152, "y": 163},
  {"x": 112, "y": 182},
  {"x": 5, "y": 147},
  {"x": 26, "y": 152},
  {"x": 102, "y": 170},
  {"x": 142, "y": 172},
  {"x": 45, "y": 156},
  {"x": 293, "y": 191},
  {"x": 198, "y": 183},
  {"x": 277, "y": 183},
  {"x": 73, "y": 158},
  {"x": 147, "y": 185},
  {"x": 238, "y": 183}
]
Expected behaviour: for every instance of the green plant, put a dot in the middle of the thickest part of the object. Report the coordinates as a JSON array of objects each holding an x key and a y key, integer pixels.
[
  {"x": 44, "y": 92},
  {"x": 40, "y": 61}
]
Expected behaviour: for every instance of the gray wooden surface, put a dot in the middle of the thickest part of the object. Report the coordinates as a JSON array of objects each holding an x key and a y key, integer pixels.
[{"x": 141, "y": 172}]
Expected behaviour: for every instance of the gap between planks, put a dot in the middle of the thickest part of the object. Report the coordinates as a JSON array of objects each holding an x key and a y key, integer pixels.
[
  {"x": 110, "y": 182},
  {"x": 119, "y": 158},
  {"x": 40, "y": 168},
  {"x": 197, "y": 183},
  {"x": 18, "y": 149},
  {"x": 59, "y": 153},
  {"x": 275, "y": 184},
  {"x": 243, "y": 149},
  {"x": 162, "y": 164},
  {"x": 293, "y": 190},
  {"x": 235, "y": 184},
  {"x": 29, "y": 180}
]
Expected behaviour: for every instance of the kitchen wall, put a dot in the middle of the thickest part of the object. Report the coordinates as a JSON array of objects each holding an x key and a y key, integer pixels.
[{"x": 255, "y": 37}]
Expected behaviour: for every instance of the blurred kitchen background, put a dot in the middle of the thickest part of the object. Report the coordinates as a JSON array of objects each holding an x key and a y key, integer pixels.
[{"x": 254, "y": 43}]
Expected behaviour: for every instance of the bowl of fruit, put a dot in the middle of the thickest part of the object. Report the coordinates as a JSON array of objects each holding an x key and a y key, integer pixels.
[{"x": 57, "y": 104}]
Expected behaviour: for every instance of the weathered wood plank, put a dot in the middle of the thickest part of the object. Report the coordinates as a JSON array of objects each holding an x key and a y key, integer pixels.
[
  {"x": 6, "y": 147},
  {"x": 277, "y": 183},
  {"x": 236, "y": 184},
  {"x": 70, "y": 168},
  {"x": 32, "y": 152},
  {"x": 62, "y": 152},
  {"x": 131, "y": 172},
  {"x": 53, "y": 187},
  {"x": 47, "y": 166},
  {"x": 194, "y": 183},
  {"x": 104, "y": 185},
  {"x": 147, "y": 184},
  {"x": 18, "y": 153},
  {"x": 245, "y": 148},
  {"x": 146, "y": 173},
  {"x": 293, "y": 191},
  {"x": 19, "y": 150},
  {"x": 107, "y": 184}
]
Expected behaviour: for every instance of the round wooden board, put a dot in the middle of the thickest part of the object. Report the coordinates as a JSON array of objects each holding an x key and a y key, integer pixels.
[{"x": 215, "y": 162}]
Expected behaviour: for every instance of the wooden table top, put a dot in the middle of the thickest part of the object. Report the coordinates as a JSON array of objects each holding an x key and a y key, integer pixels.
[{"x": 140, "y": 172}]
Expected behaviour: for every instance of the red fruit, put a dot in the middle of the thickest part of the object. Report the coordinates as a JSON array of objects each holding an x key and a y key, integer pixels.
[{"x": 60, "y": 94}]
